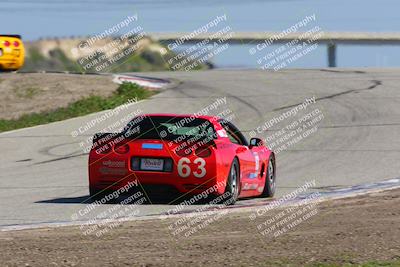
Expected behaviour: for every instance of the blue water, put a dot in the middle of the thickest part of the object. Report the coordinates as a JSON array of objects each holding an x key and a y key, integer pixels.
[{"x": 34, "y": 19}]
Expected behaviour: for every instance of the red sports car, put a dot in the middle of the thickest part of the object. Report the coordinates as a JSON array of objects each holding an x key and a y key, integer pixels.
[{"x": 186, "y": 154}]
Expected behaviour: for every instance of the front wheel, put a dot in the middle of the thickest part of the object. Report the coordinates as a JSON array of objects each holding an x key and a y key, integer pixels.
[{"x": 270, "y": 179}]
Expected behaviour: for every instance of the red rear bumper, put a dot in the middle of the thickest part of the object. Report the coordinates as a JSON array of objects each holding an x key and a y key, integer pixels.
[{"x": 114, "y": 171}]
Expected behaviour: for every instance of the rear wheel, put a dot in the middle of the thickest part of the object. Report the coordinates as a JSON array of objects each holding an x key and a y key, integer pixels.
[
  {"x": 96, "y": 194},
  {"x": 270, "y": 179},
  {"x": 233, "y": 183}
]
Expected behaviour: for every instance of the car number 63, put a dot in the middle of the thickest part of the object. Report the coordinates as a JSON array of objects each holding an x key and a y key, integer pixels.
[{"x": 184, "y": 168}]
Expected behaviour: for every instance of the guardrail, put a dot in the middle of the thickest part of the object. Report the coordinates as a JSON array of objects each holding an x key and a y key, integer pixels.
[{"x": 330, "y": 39}]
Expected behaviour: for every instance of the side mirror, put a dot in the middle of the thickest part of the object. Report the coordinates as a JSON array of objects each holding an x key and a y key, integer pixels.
[{"x": 256, "y": 142}]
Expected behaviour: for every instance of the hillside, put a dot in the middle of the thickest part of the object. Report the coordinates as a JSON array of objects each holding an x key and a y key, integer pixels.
[{"x": 106, "y": 55}]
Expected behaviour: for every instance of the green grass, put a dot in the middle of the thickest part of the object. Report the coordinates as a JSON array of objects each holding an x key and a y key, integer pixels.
[
  {"x": 35, "y": 55},
  {"x": 344, "y": 263},
  {"x": 64, "y": 61},
  {"x": 395, "y": 263},
  {"x": 81, "y": 107}
]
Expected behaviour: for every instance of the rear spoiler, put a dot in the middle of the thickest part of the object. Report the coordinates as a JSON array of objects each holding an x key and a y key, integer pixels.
[{"x": 11, "y": 35}]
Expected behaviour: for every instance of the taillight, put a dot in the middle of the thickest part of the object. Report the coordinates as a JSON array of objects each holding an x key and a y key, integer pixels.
[
  {"x": 16, "y": 43},
  {"x": 203, "y": 152},
  {"x": 184, "y": 152},
  {"x": 6, "y": 43},
  {"x": 135, "y": 163},
  {"x": 168, "y": 165},
  {"x": 121, "y": 149}
]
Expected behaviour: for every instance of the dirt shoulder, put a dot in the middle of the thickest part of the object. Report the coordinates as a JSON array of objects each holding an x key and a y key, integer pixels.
[
  {"x": 355, "y": 230},
  {"x": 25, "y": 93}
]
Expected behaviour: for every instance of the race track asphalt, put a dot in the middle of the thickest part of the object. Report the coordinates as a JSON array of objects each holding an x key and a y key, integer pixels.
[{"x": 43, "y": 170}]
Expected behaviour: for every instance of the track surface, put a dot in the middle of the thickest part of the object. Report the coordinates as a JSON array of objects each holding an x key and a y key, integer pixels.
[{"x": 43, "y": 171}]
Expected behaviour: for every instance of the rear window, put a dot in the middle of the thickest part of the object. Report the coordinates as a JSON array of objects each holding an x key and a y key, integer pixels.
[{"x": 169, "y": 128}]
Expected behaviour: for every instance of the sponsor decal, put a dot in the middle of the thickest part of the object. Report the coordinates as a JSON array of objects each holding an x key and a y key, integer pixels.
[
  {"x": 257, "y": 161},
  {"x": 152, "y": 146},
  {"x": 112, "y": 171},
  {"x": 222, "y": 133},
  {"x": 114, "y": 164},
  {"x": 252, "y": 175},
  {"x": 248, "y": 186},
  {"x": 256, "y": 167}
]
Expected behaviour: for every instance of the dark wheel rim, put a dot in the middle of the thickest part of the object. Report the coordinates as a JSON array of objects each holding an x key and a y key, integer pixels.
[{"x": 234, "y": 182}]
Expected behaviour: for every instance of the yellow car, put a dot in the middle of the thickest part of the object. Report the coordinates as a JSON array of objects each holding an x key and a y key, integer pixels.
[{"x": 12, "y": 52}]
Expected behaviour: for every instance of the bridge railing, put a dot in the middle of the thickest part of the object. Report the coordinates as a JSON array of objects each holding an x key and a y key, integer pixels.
[{"x": 330, "y": 39}]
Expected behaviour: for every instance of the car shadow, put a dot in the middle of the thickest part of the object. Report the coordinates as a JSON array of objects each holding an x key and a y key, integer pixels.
[
  {"x": 122, "y": 199},
  {"x": 68, "y": 200}
]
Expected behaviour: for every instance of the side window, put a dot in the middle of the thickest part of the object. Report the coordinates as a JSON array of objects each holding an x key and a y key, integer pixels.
[
  {"x": 233, "y": 138},
  {"x": 231, "y": 135},
  {"x": 234, "y": 135}
]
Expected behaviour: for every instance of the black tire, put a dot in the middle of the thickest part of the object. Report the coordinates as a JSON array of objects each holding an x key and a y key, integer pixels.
[
  {"x": 233, "y": 183},
  {"x": 270, "y": 178},
  {"x": 96, "y": 194}
]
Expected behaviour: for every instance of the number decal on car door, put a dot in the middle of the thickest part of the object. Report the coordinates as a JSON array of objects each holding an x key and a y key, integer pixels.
[{"x": 184, "y": 168}]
